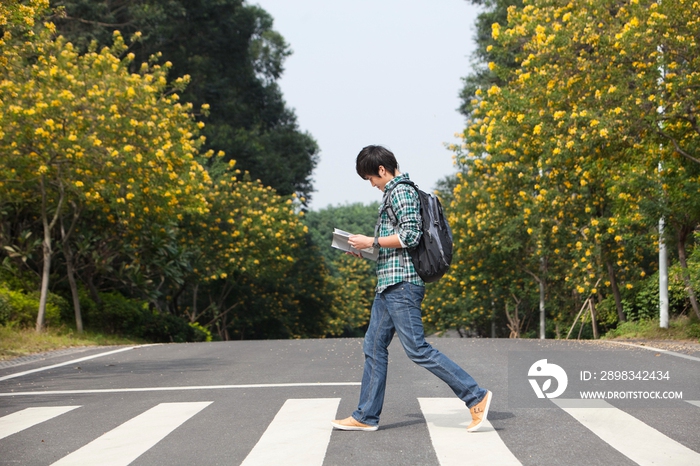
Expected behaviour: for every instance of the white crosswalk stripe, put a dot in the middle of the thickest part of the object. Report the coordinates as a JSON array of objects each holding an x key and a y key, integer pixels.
[
  {"x": 447, "y": 420},
  {"x": 639, "y": 442},
  {"x": 291, "y": 442},
  {"x": 17, "y": 422},
  {"x": 130, "y": 440}
]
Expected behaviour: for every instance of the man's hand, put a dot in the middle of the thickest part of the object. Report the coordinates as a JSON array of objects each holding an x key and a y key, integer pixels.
[
  {"x": 364, "y": 242},
  {"x": 360, "y": 241}
]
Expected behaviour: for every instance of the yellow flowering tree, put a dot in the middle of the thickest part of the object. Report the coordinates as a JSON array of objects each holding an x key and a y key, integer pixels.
[
  {"x": 19, "y": 16},
  {"x": 555, "y": 117},
  {"x": 83, "y": 134},
  {"x": 353, "y": 293},
  {"x": 629, "y": 78},
  {"x": 246, "y": 259},
  {"x": 108, "y": 166},
  {"x": 567, "y": 149}
]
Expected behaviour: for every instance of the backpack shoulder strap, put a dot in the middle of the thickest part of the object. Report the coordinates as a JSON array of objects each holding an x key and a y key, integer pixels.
[
  {"x": 408, "y": 182},
  {"x": 386, "y": 201},
  {"x": 386, "y": 206}
]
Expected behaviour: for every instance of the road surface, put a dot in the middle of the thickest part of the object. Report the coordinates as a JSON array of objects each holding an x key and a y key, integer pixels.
[{"x": 270, "y": 402}]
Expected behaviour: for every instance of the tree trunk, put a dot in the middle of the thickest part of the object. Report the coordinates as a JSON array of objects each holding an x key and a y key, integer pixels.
[
  {"x": 226, "y": 335},
  {"x": 70, "y": 269},
  {"x": 46, "y": 248},
  {"x": 683, "y": 234},
  {"x": 193, "y": 315},
  {"x": 68, "y": 254},
  {"x": 616, "y": 292},
  {"x": 513, "y": 322},
  {"x": 94, "y": 294},
  {"x": 543, "y": 269},
  {"x": 594, "y": 324}
]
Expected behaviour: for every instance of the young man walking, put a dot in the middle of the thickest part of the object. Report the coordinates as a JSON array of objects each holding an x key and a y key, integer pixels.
[{"x": 397, "y": 303}]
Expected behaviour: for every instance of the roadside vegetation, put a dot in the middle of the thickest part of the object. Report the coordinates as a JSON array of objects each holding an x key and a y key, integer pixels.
[
  {"x": 679, "y": 328},
  {"x": 154, "y": 185},
  {"x": 581, "y": 136},
  {"x": 18, "y": 342}
]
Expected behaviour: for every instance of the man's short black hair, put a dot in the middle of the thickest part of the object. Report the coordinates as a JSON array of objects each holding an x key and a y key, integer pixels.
[{"x": 371, "y": 158}]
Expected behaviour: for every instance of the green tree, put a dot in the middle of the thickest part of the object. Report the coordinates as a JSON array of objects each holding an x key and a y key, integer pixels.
[
  {"x": 352, "y": 280},
  {"x": 352, "y": 289},
  {"x": 356, "y": 218},
  {"x": 234, "y": 58},
  {"x": 494, "y": 12}
]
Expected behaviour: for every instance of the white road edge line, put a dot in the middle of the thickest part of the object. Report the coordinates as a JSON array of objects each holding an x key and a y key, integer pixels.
[
  {"x": 172, "y": 389},
  {"x": 72, "y": 361},
  {"x": 651, "y": 348}
]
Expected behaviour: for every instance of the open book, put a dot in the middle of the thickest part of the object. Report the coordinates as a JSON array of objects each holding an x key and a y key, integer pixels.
[{"x": 340, "y": 241}]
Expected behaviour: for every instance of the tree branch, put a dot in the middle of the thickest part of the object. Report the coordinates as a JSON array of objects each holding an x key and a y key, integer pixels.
[
  {"x": 537, "y": 279},
  {"x": 677, "y": 146},
  {"x": 98, "y": 23}
]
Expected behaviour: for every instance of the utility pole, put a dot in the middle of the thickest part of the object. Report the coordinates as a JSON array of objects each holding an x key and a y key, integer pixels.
[
  {"x": 542, "y": 296},
  {"x": 663, "y": 278},
  {"x": 663, "y": 255}
]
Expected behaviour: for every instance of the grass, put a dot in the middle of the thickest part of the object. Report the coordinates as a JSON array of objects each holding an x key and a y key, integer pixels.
[
  {"x": 679, "y": 328},
  {"x": 16, "y": 342}
]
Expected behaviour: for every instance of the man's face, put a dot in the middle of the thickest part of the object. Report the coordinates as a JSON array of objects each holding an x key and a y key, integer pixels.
[{"x": 380, "y": 181}]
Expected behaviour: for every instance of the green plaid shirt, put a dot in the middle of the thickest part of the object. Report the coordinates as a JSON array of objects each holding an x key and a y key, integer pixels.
[{"x": 391, "y": 268}]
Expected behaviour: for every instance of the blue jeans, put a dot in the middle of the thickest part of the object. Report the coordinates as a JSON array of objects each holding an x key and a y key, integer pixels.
[{"x": 398, "y": 310}]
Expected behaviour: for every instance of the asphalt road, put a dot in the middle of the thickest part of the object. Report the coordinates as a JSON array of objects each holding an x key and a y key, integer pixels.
[{"x": 269, "y": 402}]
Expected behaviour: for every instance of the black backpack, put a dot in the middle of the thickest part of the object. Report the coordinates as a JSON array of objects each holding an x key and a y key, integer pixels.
[{"x": 433, "y": 254}]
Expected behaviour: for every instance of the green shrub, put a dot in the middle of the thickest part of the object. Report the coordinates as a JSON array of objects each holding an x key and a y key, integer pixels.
[
  {"x": 693, "y": 330},
  {"x": 680, "y": 328},
  {"x": 162, "y": 328},
  {"x": 606, "y": 311},
  {"x": 117, "y": 314},
  {"x": 642, "y": 301},
  {"x": 21, "y": 309},
  {"x": 4, "y": 308},
  {"x": 200, "y": 333}
]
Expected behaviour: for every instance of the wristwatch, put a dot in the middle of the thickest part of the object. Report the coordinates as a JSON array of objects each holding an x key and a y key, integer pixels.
[{"x": 376, "y": 243}]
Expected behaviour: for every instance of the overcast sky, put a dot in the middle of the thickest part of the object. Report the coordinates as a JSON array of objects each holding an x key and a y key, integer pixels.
[{"x": 375, "y": 72}]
